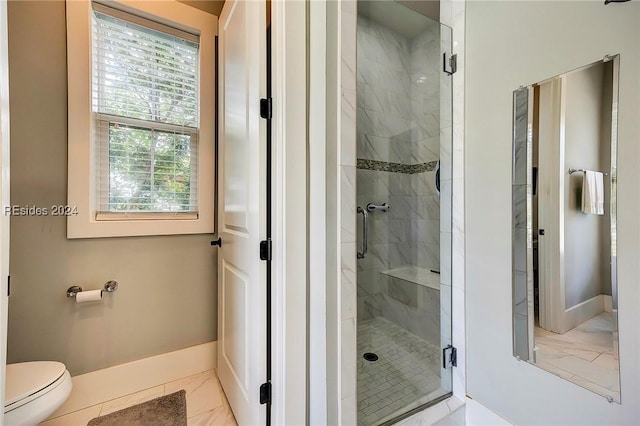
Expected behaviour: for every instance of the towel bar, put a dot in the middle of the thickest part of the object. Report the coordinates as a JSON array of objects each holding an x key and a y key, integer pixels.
[{"x": 571, "y": 171}]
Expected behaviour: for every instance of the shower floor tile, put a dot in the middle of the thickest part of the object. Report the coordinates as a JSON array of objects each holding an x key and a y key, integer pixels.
[{"x": 406, "y": 374}]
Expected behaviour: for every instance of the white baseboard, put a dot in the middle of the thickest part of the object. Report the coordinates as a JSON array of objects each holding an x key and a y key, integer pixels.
[
  {"x": 582, "y": 312},
  {"x": 608, "y": 303},
  {"x": 113, "y": 382}
]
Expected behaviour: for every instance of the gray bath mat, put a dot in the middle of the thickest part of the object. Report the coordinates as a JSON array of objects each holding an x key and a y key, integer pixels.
[{"x": 168, "y": 410}]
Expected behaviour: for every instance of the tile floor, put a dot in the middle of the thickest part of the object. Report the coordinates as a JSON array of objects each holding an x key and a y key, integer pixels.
[
  {"x": 457, "y": 418},
  {"x": 206, "y": 403},
  {"x": 406, "y": 375},
  {"x": 586, "y": 355}
]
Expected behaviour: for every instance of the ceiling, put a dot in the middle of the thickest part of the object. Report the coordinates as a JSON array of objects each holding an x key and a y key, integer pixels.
[
  {"x": 212, "y": 6},
  {"x": 401, "y": 16},
  {"x": 387, "y": 13},
  {"x": 428, "y": 8}
]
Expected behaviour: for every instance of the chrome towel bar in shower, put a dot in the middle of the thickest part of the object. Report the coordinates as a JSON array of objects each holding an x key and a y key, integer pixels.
[
  {"x": 365, "y": 231},
  {"x": 384, "y": 207}
]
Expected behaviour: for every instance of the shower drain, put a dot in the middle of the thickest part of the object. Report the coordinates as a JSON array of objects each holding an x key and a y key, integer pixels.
[{"x": 370, "y": 356}]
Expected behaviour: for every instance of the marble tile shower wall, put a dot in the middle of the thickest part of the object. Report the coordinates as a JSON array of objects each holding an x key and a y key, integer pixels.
[
  {"x": 398, "y": 121},
  {"x": 383, "y": 116},
  {"x": 398, "y": 85},
  {"x": 523, "y": 282},
  {"x": 425, "y": 94}
]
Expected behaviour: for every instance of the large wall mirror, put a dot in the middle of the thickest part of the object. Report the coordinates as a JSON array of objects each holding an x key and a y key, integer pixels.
[{"x": 564, "y": 226}]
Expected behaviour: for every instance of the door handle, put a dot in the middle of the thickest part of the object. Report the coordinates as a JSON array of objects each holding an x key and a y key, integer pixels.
[
  {"x": 365, "y": 231},
  {"x": 217, "y": 242}
]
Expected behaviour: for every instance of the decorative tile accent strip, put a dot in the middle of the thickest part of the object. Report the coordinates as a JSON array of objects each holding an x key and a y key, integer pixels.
[{"x": 384, "y": 166}]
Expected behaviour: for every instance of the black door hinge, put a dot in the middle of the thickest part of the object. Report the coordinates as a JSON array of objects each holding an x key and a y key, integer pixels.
[
  {"x": 265, "y": 249},
  {"x": 452, "y": 62},
  {"x": 266, "y": 108},
  {"x": 265, "y": 393},
  {"x": 8, "y": 285},
  {"x": 449, "y": 357}
]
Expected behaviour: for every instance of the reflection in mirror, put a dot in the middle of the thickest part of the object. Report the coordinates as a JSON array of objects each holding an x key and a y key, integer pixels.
[{"x": 564, "y": 226}]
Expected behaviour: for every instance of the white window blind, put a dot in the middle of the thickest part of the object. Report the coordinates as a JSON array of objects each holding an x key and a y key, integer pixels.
[{"x": 145, "y": 106}]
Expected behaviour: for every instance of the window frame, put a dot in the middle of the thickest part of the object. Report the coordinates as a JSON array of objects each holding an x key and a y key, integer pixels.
[{"x": 82, "y": 150}]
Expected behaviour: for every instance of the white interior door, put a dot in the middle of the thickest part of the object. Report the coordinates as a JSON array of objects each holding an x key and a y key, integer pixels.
[
  {"x": 550, "y": 206},
  {"x": 242, "y": 203}
]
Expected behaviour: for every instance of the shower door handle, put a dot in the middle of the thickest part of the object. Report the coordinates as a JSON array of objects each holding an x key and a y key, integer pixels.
[{"x": 365, "y": 231}]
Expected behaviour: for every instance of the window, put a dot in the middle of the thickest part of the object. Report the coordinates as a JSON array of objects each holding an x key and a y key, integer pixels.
[
  {"x": 145, "y": 105},
  {"x": 145, "y": 145}
]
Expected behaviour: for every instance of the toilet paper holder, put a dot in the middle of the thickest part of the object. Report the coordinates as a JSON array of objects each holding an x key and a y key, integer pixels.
[{"x": 109, "y": 287}]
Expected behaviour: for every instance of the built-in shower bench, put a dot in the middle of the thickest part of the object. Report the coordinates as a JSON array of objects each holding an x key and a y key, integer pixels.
[
  {"x": 411, "y": 299},
  {"x": 416, "y": 275}
]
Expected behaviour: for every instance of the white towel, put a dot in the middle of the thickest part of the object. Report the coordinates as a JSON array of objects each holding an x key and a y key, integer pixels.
[{"x": 593, "y": 192}]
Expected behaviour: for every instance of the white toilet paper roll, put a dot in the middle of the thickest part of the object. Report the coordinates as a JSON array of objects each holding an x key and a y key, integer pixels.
[{"x": 89, "y": 296}]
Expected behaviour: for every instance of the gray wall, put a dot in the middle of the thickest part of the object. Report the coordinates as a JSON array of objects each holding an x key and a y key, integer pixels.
[
  {"x": 586, "y": 245},
  {"x": 167, "y": 298},
  {"x": 509, "y": 44}
]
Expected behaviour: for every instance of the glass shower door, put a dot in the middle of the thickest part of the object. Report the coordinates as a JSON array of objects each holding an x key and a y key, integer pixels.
[{"x": 404, "y": 211}]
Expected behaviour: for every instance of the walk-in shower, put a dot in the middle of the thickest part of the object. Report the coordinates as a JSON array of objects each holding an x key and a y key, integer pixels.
[{"x": 404, "y": 211}]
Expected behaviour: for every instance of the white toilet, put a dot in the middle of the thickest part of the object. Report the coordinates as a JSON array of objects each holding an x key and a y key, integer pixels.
[{"x": 34, "y": 390}]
